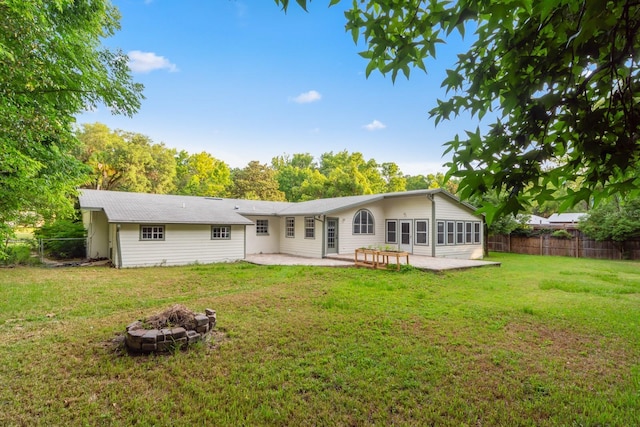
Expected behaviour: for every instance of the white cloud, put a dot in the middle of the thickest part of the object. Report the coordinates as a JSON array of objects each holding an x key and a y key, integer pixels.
[
  {"x": 307, "y": 97},
  {"x": 145, "y": 62},
  {"x": 374, "y": 125}
]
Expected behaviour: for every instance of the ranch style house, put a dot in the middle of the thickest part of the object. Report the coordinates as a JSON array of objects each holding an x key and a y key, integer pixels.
[{"x": 136, "y": 229}]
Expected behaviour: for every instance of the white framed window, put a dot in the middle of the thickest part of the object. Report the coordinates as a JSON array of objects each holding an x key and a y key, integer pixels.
[
  {"x": 221, "y": 232},
  {"x": 477, "y": 230},
  {"x": 451, "y": 232},
  {"x": 392, "y": 231},
  {"x": 262, "y": 227},
  {"x": 460, "y": 233},
  {"x": 422, "y": 232},
  {"x": 290, "y": 227},
  {"x": 152, "y": 232},
  {"x": 468, "y": 233},
  {"x": 309, "y": 228},
  {"x": 363, "y": 222},
  {"x": 441, "y": 234}
]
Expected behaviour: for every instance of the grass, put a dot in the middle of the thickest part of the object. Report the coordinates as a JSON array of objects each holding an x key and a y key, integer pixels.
[{"x": 539, "y": 341}]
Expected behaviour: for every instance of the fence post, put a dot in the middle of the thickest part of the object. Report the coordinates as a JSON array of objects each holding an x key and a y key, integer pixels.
[{"x": 541, "y": 253}]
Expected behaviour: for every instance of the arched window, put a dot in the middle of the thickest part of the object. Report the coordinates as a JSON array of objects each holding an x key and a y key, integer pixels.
[{"x": 363, "y": 222}]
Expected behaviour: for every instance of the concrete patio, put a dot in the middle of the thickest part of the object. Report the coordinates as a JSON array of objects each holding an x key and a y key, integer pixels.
[{"x": 422, "y": 262}]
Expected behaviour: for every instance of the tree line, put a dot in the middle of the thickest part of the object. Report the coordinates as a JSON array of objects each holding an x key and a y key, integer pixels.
[{"x": 118, "y": 160}]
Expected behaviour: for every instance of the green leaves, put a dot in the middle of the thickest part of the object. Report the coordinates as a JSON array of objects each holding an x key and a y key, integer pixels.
[
  {"x": 562, "y": 77},
  {"x": 52, "y": 67}
]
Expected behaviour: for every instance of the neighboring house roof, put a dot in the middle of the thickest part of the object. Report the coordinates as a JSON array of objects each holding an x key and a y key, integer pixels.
[
  {"x": 537, "y": 220},
  {"x": 565, "y": 218},
  {"x": 144, "y": 208}
]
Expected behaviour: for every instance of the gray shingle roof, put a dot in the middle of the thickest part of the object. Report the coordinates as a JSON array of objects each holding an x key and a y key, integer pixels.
[
  {"x": 161, "y": 208},
  {"x": 143, "y": 208}
]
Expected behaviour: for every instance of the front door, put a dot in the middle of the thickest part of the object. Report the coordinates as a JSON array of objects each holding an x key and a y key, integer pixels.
[
  {"x": 405, "y": 244},
  {"x": 332, "y": 235}
]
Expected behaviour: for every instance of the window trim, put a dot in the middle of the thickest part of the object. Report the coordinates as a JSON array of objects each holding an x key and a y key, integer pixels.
[
  {"x": 358, "y": 215},
  {"x": 451, "y": 233},
  {"x": 395, "y": 231},
  {"x": 226, "y": 235},
  {"x": 265, "y": 227},
  {"x": 441, "y": 233},
  {"x": 468, "y": 232},
  {"x": 152, "y": 232},
  {"x": 290, "y": 229},
  {"x": 425, "y": 232},
  {"x": 477, "y": 232},
  {"x": 309, "y": 220},
  {"x": 459, "y": 232}
]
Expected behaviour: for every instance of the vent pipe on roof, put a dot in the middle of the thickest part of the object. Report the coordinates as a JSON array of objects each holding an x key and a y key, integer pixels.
[{"x": 184, "y": 205}]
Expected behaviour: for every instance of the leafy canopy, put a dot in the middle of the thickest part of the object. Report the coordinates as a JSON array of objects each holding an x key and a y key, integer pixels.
[
  {"x": 613, "y": 220},
  {"x": 560, "y": 78},
  {"x": 53, "y": 66}
]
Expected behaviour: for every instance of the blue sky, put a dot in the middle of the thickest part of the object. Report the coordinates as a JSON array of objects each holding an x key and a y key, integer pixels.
[{"x": 244, "y": 81}]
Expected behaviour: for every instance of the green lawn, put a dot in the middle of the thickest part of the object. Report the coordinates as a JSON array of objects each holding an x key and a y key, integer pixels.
[{"x": 538, "y": 341}]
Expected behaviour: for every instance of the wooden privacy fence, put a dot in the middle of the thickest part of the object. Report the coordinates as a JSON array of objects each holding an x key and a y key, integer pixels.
[{"x": 579, "y": 246}]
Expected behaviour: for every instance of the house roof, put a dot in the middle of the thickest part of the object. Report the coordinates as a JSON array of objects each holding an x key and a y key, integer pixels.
[
  {"x": 144, "y": 208},
  {"x": 337, "y": 204},
  {"x": 161, "y": 208},
  {"x": 566, "y": 218},
  {"x": 537, "y": 220}
]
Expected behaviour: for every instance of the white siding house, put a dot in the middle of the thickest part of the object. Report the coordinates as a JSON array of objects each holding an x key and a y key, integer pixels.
[{"x": 133, "y": 229}]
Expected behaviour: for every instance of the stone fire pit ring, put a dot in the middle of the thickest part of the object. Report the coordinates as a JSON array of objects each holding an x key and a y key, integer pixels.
[{"x": 147, "y": 337}]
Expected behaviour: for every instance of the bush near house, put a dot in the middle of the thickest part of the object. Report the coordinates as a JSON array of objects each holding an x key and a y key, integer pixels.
[{"x": 63, "y": 239}]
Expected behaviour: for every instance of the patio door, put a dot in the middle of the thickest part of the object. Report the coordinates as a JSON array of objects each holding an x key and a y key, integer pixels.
[
  {"x": 405, "y": 244},
  {"x": 332, "y": 235}
]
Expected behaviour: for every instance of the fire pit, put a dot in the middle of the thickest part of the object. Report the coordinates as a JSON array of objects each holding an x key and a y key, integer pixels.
[{"x": 174, "y": 328}]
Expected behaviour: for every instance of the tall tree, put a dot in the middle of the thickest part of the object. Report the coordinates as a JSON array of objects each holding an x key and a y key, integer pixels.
[
  {"x": 393, "y": 177},
  {"x": 350, "y": 174},
  {"x": 616, "y": 220},
  {"x": 52, "y": 66},
  {"x": 202, "y": 174},
  {"x": 256, "y": 182},
  {"x": 125, "y": 161},
  {"x": 561, "y": 78},
  {"x": 292, "y": 172},
  {"x": 416, "y": 182}
]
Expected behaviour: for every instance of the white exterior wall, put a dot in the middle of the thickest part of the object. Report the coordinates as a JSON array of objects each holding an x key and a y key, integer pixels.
[
  {"x": 349, "y": 242},
  {"x": 300, "y": 245},
  {"x": 95, "y": 222},
  {"x": 447, "y": 209},
  {"x": 264, "y": 244},
  {"x": 410, "y": 208},
  {"x": 183, "y": 244}
]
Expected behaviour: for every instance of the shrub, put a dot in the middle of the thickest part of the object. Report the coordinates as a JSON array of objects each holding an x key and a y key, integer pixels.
[
  {"x": 18, "y": 254},
  {"x": 562, "y": 234},
  {"x": 63, "y": 239}
]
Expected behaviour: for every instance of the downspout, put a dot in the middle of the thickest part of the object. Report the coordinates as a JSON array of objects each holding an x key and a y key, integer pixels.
[
  {"x": 323, "y": 225},
  {"x": 118, "y": 251},
  {"x": 434, "y": 225},
  {"x": 89, "y": 243}
]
